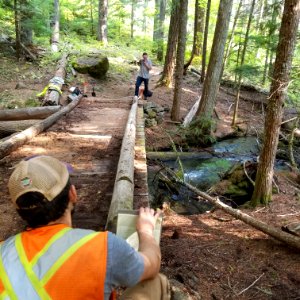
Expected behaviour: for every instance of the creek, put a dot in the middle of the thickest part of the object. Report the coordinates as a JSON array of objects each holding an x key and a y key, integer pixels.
[{"x": 204, "y": 173}]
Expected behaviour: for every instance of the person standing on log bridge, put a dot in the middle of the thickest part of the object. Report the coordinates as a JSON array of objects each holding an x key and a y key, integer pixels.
[
  {"x": 143, "y": 76},
  {"x": 51, "y": 260}
]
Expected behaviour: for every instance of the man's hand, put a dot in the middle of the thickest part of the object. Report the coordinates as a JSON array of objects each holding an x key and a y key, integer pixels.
[{"x": 147, "y": 220}]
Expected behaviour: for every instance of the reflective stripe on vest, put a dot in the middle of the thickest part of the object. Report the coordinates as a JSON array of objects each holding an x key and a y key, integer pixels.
[{"x": 33, "y": 276}]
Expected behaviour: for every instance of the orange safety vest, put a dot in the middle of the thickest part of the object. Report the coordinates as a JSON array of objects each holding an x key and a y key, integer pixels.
[{"x": 53, "y": 262}]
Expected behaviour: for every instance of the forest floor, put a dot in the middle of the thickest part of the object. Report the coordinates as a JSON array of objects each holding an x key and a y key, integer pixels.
[{"x": 212, "y": 255}]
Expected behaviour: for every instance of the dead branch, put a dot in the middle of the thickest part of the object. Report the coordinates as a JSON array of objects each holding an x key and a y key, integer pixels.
[
  {"x": 251, "y": 285},
  {"x": 245, "y": 171}
]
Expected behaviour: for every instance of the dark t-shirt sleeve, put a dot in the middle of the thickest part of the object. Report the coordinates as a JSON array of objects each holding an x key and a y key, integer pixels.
[{"x": 125, "y": 266}]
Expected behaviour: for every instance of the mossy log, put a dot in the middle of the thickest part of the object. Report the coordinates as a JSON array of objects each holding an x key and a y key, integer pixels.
[
  {"x": 28, "y": 113},
  {"x": 164, "y": 156},
  {"x": 21, "y": 138},
  {"x": 9, "y": 127}
]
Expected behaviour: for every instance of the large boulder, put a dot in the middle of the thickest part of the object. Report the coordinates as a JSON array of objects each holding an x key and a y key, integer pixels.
[{"x": 96, "y": 66}]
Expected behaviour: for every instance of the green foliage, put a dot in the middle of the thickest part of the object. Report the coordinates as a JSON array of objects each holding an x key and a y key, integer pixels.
[{"x": 199, "y": 132}]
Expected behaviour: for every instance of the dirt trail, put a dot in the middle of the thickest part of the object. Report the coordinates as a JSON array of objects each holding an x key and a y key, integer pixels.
[{"x": 89, "y": 138}]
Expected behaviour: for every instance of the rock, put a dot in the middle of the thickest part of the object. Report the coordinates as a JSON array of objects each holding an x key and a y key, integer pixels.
[
  {"x": 178, "y": 291},
  {"x": 152, "y": 114},
  {"x": 21, "y": 86},
  {"x": 149, "y": 105},
  {"x": 150, "y": 122},
  {"x": 159, "y": 119},
  {"x": 159, "y": 109},
  {"x": 96, "y": 66},
  {"x": 167, "y": 109}
]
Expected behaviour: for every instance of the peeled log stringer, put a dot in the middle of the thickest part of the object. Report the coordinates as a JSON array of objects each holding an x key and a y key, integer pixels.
[
  {"x": 53, "y": 95},
  {"x": 286, "y": 238},
  {"x": 122, "y": 198},
  {"x": 21, "y": 138},
  {"x": 28, "y": 113}
]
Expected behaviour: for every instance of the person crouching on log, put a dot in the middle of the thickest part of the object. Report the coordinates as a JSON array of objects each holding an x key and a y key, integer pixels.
[
  {"x": 51, "y": 260},
  {"x": 143, "y": 75}
]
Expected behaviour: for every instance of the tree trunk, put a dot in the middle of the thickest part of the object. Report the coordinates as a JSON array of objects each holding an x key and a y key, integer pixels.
[
  {"x": 156, "y": 20},
  {"x": 175, "y": 112},
  {"x": 226, "y": 56},
  {"x": 212, "y": 79},
  {"x": 55, "y": 27},
  {"x": 133, "y": 5},
  {"x": 102, "y": 21},
  {"x": 92, "y": 17},
  {"x": 146, "y": 2},
  {"x": 287, "y": 39},
  {"x": 21, "y": 138},
  {"x": 205, "y": 41},
  {"x": 167, "y": 75},
  {"x": 27, "y": 113},
  {"x": 237, "y": 100},
  {"x": 17, "y": 29},
  {"x": 197, "y": 27},
  {"x": 26, "y": 17},
  {"x": 160, "y": 35}
]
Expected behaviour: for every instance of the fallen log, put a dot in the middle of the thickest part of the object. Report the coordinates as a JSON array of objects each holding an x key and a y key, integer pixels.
[
  {"x": 189, "y": 117},
  {"x": 33, "y": 57},
  {"x": 164, "y": 156},
  {"x": 54, "y": 92},
  {"x": 289, "y": 239},
  {"x": 9, "y": 127},
  {"x": 21, "y": 138},
  {"x": 28, "y": 113},
  {"x": 122, "y": 198}
]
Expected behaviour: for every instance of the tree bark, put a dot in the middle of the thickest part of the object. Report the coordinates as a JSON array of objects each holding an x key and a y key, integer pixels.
[
  {"x": 237, "y": 100},
  {"x": 21, "y": 138},
  {"x": 27, "y": 113},
  {"x": 286, "y": 238},
  {"x": 146, "y": 2},
  {"x": 55, "y": 27},
  {"x": 212, "y": 79},
  {"x": 167, "y": 75},
  {"x": 205, "y": 41},
  {"x": 102, "y": 21},
  {"x": 175, "y": 112},
  {"x": 287, "y": 39}
]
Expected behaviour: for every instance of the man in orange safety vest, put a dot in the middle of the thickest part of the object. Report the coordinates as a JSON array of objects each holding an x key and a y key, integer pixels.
[{"x": 51, "y": 260}]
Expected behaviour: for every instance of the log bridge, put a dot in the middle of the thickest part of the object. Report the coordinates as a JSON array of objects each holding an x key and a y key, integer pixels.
[{"x": 102, "y": 139}]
